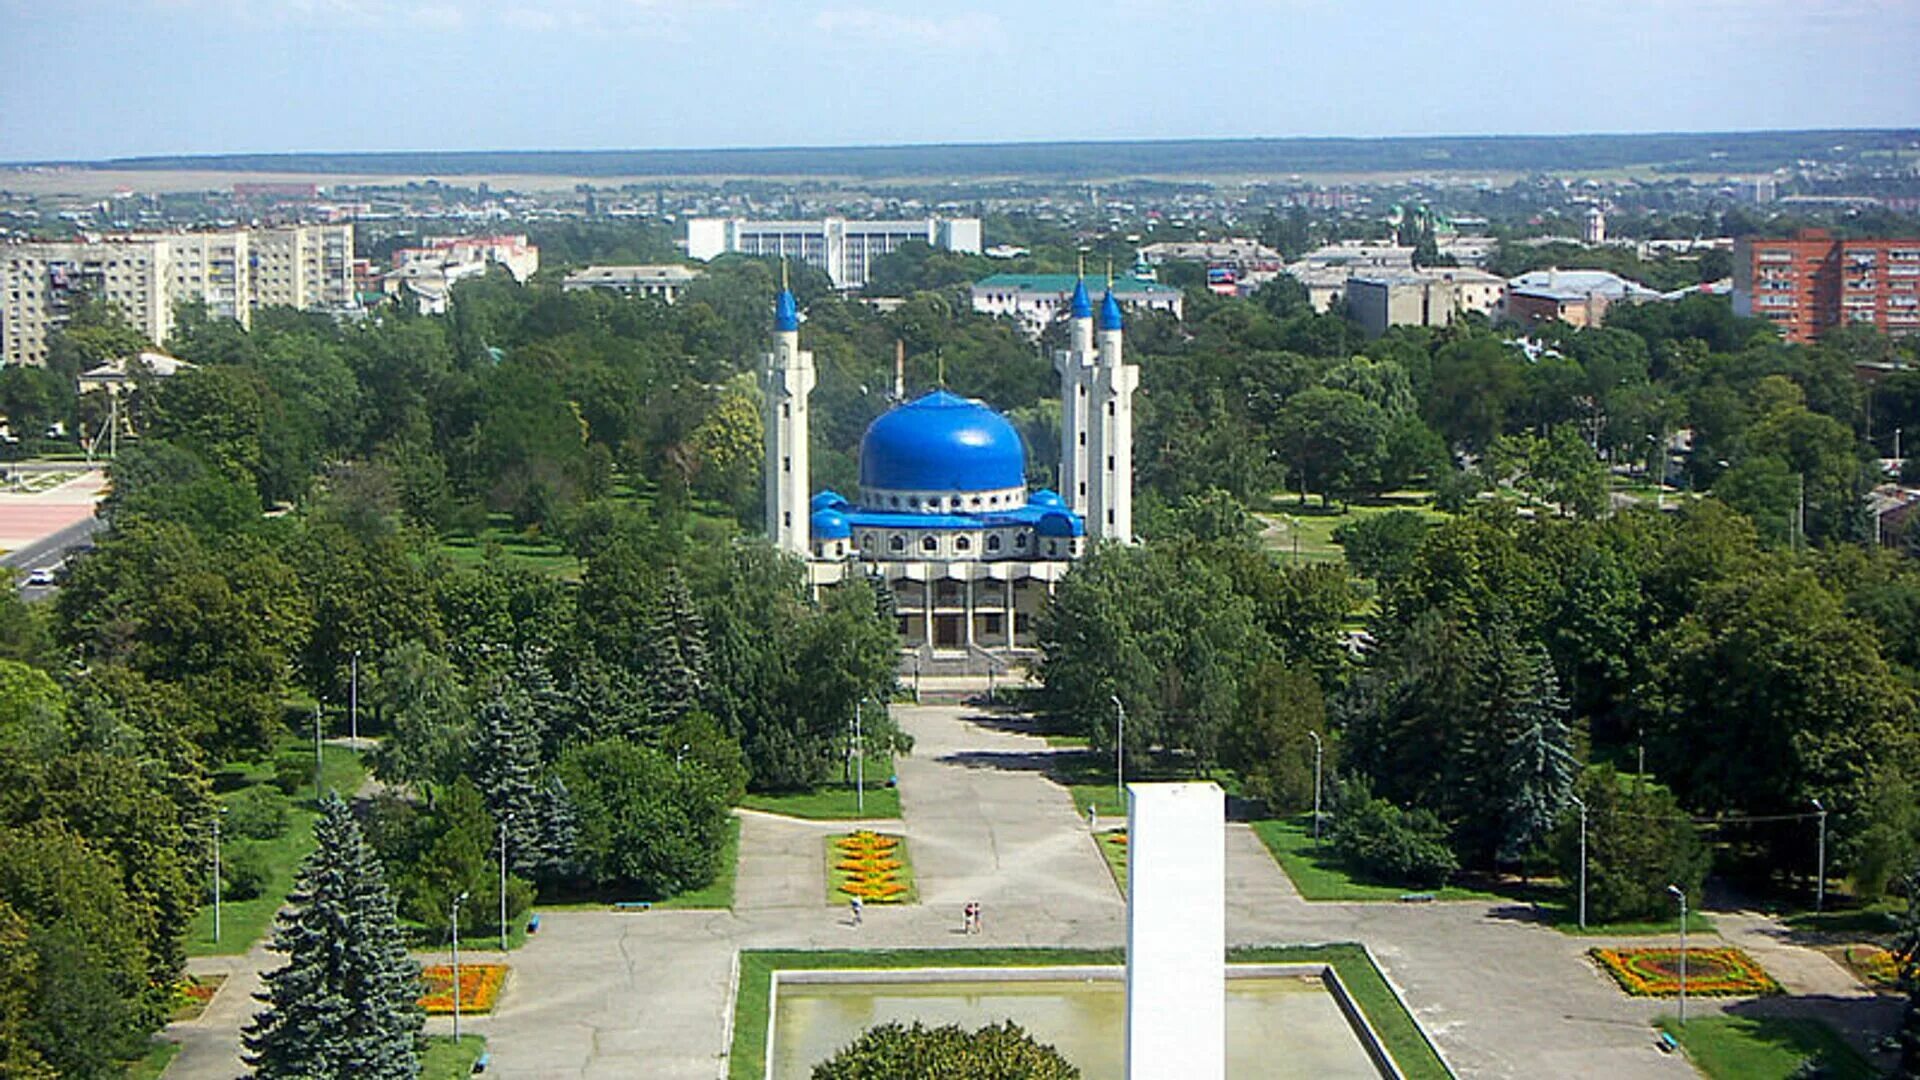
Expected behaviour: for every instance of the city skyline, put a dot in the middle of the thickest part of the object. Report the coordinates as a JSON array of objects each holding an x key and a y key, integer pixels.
[{"x": 213, "y": 76}]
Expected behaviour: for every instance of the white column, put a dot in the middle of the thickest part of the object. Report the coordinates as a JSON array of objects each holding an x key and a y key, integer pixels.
[
  {"x": 1176, "y": 932},
  {"x": 969, "y": 613},
  {"x": 1074, "y": 365},
  {"x": 1109, "y": 508},
  {"x": 1010, "y": 613}
]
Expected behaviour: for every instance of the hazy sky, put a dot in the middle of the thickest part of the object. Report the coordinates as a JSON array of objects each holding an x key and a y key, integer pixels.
[{"x": 98, "y": 78}]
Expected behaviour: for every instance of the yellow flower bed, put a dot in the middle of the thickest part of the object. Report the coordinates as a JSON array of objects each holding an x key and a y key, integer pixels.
[
  {"x": 1655, "y": 972},
  {"x": 479, "y": 987},
  {"x": 871, "y": 866},
  {"x": 1879, "y": 966}
]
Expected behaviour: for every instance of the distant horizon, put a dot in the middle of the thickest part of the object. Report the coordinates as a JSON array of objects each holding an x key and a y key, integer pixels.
[{"x": 145, "y": 78}]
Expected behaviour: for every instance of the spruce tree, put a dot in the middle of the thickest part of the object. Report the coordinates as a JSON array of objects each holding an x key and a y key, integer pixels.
[
  {"x": 673, "y": 658},
  {"x": 1540, "y": 763},
  {"x": 506, "y": 769},
  {"x": 345, "y": 1004}
]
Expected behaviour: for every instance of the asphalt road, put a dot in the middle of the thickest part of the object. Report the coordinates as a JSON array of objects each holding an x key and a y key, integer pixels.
[{"x": 48, "y": 553}]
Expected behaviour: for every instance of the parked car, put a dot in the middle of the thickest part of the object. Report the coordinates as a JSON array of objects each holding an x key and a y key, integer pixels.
[{"x": 40, "y": 575}]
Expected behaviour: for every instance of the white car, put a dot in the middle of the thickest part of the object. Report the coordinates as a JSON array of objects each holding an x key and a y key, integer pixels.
[{"x": 42, "y": 575}]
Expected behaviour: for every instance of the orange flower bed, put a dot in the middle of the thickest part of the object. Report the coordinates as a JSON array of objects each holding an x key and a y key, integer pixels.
[
  {"x": 1655, "y": 972},
  {"x": 479, "y": 987},
  {"x": 871, "y": 872},
  {"x": 1879, "y": 966}
]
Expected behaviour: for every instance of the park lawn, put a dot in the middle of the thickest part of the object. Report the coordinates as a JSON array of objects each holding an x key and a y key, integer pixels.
[
  {"x": 1319, "y": 875},
  {"x": 1315, "y": 524},
  {"x": 719, "y": 892},
  {"x": 834, "y": 801},
  {"x": 1764, "y": 1047},
  {"x": 747, "y": 1058},
  {"x": 149, "y": 1066},
  {"x": 837, "y": 877},
  {"x": 546, "y": 555},
  {"x": 448, "y": 1060},
  {"x": 242, "y": 922},
  {"x": 1113, "y": 848},
  {"x": 1880, "y": 917},
  {"x": 1565, "y": 917}
]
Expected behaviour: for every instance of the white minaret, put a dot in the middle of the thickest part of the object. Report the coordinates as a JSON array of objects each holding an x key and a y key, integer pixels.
[
  {"x": 1109, "y": 425},
  {"x": 1075, "y": 364},
  {"x": 786, "y": 378}
]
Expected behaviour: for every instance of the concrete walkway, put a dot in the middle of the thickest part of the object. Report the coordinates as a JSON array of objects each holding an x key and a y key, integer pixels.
[{"x": 605, "y": 994}]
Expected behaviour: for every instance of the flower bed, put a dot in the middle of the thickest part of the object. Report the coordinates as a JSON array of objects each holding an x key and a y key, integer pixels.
[
  {"x": 1876, "y": 965},
  {"x": 479, "y": 987},
  {"x": 192, "y": 994},
  {"x": 871, "y": 866},
  {"x": 1655, "y": 972}
]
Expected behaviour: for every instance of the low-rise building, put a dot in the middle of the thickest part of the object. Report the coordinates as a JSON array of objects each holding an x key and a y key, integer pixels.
[
  {"x": 1433, "y": 296},
  {"x": 1036, "y": 300},
  {"x": 1324, "y": 271},
  {"x": 1574, "y": 297},
  {"x": 664, "y": 283},
  {"x": 521, "y": 259}
]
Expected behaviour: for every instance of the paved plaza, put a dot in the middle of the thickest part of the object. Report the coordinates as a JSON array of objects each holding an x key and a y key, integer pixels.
[{"x": 647, "y": 994}]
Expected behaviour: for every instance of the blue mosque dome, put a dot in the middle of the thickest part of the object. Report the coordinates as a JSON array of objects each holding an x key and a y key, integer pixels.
[
  {"x": 828, "y": 499},
  {"x": 1110, "y": 311},
  {"x": 786, "y": 314},
  {"x": 1048, "y": 498},
  {"x": 1082, "y": 306},
  {"x": 830, "y": 525},
  {"x": 939, "y": 443},
  {"x": 1060, "y": 523}
]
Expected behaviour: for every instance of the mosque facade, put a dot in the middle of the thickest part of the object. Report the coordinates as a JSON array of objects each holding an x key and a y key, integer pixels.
[{"x": 945, "y": 516}]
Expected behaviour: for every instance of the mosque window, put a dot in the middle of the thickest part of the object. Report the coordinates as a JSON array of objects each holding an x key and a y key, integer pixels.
[
  {"x": 839, "y": 547},
  {"x": 786, "y": 410},
  {"x": 894, "y": 500},
  {"x": 1083, "y": 391},
  {"x": 1083, "y": 487},
  {"x": 961, "y": 543},
  {"x": 1109, "y": 517},
  {"x": 975, "y": 501},
  {"x": 1109, "y": 462},
  {"x": 897, "y": 543},
  {"x": 866, "y": 540},
  {"x": 1109, "y": 408},
  {"x": 1020, "y": 541},
  {"x": 928, "y": 543},
  {"x": 993, "y": 542},
  {"x": 786, "y": 464},
  {"x": 1083, "y": 438},
  {"x": 786, "y": 519},
  {"x": 913, "y": 502}
]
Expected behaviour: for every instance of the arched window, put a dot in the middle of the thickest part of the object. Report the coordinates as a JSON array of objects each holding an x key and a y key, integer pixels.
[
  {"x": 897, "y": 542},
  {"x": 928, "y": 543},
  {"x": 866, "y": 541},
  {"x": 1020, "y": 541},
  {"x": 993, "y": 543},
  {"x": 961, "y": 543}
]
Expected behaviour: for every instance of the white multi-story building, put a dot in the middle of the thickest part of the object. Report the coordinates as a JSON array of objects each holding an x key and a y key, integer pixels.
[
  {"x": 521, "y": 259},
  {"x": 845, "y": 250},
  {"x": 1036, "y": 300},
  {"x": 145, "y": 275}
]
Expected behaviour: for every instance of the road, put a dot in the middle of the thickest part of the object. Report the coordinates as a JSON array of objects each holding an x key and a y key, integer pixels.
[{"x": 48, "y": 552}]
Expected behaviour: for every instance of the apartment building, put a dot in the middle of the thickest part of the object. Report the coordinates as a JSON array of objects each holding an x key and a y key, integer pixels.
[
  {"x": 1812, "y": 283},
  {"x": 846, "y": 250},
  {"x": 512, "y": 251},
  {"x": 1037, "y": 300},
  {"x": 664, "y": 283},
  {"x": 1433, "y": 296},
  {"x": 145, "y": 275}
]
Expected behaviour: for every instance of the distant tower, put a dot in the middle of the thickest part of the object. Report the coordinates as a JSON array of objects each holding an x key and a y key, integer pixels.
[
  {"x": 1075, "y": 363},
  {"x": 1110, "y": 430},
  {"x": 786, "y": 378},
  {"x": 1596, "y": 232}
]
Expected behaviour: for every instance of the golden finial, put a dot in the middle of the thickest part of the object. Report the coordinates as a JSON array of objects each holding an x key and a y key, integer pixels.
[
  {"x": 1109, "y": 273},
  {"x": 940, "y": 361},
  {"x": 783, "y": 271},
  {"x": 1083, "y": 264}
]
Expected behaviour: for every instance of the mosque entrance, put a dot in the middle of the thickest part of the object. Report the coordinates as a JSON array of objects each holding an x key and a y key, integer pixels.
[{"x": 947, "y": 632}]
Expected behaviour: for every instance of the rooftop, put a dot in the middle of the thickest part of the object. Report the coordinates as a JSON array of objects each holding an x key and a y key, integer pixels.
[{"x": 1063, "y": 284}]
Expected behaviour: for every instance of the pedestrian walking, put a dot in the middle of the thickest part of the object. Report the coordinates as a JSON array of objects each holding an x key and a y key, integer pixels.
[
  {"x": 857, "y": 906},
  {"x": 1093, "y": 818},
  {"x": 976, "y": 916}
]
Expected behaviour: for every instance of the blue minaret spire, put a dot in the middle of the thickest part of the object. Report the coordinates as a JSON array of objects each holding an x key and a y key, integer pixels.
[
  {"x": 786, "y": 314},
  {"x": 1109, "y": 307},
  {"x": 1082, "y": 305}
]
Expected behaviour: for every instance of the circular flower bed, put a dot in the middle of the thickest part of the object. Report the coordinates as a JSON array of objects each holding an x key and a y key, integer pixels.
[{"x": 1655, "y": 972}]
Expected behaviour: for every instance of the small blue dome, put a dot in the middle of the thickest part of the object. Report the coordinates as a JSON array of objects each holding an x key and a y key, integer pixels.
[
  {"x": 1082, "y": 306},
  {"x": 939, "y": 443},
  {"x": 828, "y": 499},
  {"x": 1060, "y": 523},
  {"x": 786, "y": 314},
  {"x": 1110, "y": 312},
  {"x": 830, "y": 525},
  {"x": 1047, "y": 497}
]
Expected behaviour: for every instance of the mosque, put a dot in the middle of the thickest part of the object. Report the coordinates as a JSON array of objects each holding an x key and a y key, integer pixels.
[{"x": 944, "y": 515}]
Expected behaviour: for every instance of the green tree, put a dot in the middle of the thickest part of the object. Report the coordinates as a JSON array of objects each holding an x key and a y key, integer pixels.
[
  {"x": 345, "y": 1002},
  {"x": 1267, "y": 742},
  {"x": 1381, "y": 546},
  {"x": 995, "y": 1052},
  {"x": 1381, "y": 841},
  {"x": 1907, "y": 949},
  {"x": 19, "y": 978},
  {"x": 673, "y": 656},
  {"x": 1639, "y": 841},
  {"x": 1335, "y": 440},
  {"x": 647, "y": 823},
  {"x": 418, "y": 693},
  {"x": 505, "y": 767},
  {"x": 460, "y": 855},
  {"x": 1540, "y": 762}
]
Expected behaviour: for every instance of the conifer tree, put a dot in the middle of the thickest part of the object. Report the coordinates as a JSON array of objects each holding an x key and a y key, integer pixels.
[
  {"x": 673, "y": 657},
  {"x": 1539, "y": 764},
  {"x": 506, "y": 769},
  {"x": 345, "y": 1003}
]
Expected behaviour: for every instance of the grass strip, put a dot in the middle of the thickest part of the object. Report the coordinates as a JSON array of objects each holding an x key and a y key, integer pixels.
[
  {"x": 746, "y": 1059},
  {"x": 1765, "y": 1047},
  {"x": 1319, "y": 874},
  {"x": 832, "y": 802},
  {"x": 152, "y": 1064},
  {"x": 448, "y": 1060}
]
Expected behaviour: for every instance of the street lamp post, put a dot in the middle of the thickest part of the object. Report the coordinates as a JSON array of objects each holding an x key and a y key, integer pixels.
[
  {"x": 1119, "y": 750},
  {"x": 216, "y": 874},
  {"x": 353, "y": 701},
  {"x": 505, "y": 819},
  {"x": 859, "y": 763},
  {"x": 316, "y": 752},
  {"x": 1318, "y": 747},
  {"x": 455, "y": 922},
  {"x": 1582, "y": 804},
  {"x": 1820, "y": 878},
  {"x": 1681, "y": 895}
]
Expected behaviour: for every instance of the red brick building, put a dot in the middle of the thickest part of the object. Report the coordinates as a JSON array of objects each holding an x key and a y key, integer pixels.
[{"x": 1812, "y": 283}]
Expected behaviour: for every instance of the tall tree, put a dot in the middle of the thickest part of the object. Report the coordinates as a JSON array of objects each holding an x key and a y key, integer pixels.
[
  {"x": 346, "y": 1001},
  {"x": 673, "y": 650},
  {"x": 1540, "y": 763},
  {"x": 506, "y": 769},
  {"x": 1907, "y": 949}
]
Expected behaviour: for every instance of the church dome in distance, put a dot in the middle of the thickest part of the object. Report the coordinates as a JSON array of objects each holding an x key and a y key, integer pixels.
[{"x": 942, "y": 443}]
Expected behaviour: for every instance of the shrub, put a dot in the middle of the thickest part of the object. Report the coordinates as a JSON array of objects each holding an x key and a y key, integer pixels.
[
  {"x": 257, "y": 813},
  {"x": 290, "y": 772},
  {"x": 1398, "y": 847},
  {"x": 244, "y": 871},
  {"x": 1639, "y": 841},
  {"x": 646, "y": 823},
  {"x": 995, "y": 1052}
]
